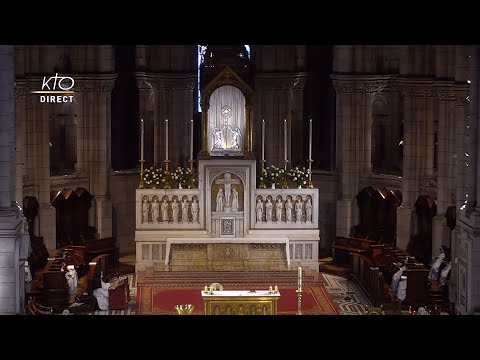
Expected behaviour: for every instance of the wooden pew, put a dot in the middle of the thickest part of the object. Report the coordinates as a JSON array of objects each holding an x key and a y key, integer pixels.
[
  {"x": 343, "y": 247},
  {"x": 54, "y": 283}
]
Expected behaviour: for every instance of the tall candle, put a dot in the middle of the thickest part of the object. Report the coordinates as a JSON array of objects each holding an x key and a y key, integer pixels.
[
  {"x": 191, "y": 139},
  {"x": 166, "y": 139},
  {"x": 310, "y": 141},
  {"x": 263, "y": 139},
  {"x": 285, "y": 138},
  {"x": 142, "y": 135},
  {"x": 299, "y": 277}
]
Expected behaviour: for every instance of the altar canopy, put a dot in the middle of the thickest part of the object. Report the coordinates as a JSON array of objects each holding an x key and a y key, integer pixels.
[{"x": 226, "y": 116}]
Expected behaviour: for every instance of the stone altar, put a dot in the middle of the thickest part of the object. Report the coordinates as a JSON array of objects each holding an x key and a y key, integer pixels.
[{"x": 177, "y": 235}]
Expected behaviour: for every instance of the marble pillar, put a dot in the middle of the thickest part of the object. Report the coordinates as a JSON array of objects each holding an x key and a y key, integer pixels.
[{"x": 12, "y": 254}]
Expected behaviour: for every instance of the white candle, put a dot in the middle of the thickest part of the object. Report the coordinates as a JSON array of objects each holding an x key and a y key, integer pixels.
[
  {"x": 310, "y": 141},
  {"x": 263, "y": 139},
  {"x": 285, "y": 138},
  {"x": 299, "y": 277},
  {"x": 166, "y": 139},
  {"x": 142, "y": 135},
  {"x": 191, "y": 139}
]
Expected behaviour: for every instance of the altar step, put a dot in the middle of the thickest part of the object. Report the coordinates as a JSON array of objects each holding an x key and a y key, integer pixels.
[{"x": 187, "y": 278}]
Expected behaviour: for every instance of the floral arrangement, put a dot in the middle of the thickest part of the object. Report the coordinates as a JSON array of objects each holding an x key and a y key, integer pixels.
[
  {"x": 272, "y": 175},
  {"x": 184, "y": 177},
  {"x": 298, "y": 176},
  {"x": 154, "y": 177}
]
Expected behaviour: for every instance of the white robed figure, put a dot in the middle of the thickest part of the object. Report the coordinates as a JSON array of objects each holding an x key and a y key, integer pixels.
[
  {"x": 437, "y": 261},
  {"x": 402, "y": 288},
  {"x": 101, "y": 294},
  {"x": 444, "y": 273},
  {"x": 72, "y": 279},
  {"x": 396, "y": 278}
]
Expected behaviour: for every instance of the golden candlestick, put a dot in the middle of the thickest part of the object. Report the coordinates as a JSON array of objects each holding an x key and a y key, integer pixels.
[
  {"x": 299, "y": 301},
  {"x": 263, "y": 164},
  {"x": 141, "y": 185},
  {"x": 190, "y": 164},
  {"x": 167, "y": 162},
  {"x": 310, "y": 183}
]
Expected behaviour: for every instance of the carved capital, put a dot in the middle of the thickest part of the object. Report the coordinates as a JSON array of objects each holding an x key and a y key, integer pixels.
[
  {"x": 462, "y": 97},
  {"x": 444, "y": 95},
  {"x": 343, "y": 87},
  {"x": 20, "y": 92},
  {"x": 374, "y": 86}
]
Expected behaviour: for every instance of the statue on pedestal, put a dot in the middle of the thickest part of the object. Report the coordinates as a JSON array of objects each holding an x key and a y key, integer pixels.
[
  {"x": 194, "y": 209},
  {"x": 259, "y": 210}
]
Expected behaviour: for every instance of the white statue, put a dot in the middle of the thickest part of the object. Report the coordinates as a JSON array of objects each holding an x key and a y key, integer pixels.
[
  {"x": 269, "y": 210},
  {"x": 278, "y": 209},
  {"x": 220, "y": 203},
  {"x": 195, "y": 210},
  {"x": 259, "y": 210},
  {"x": 288, "y": 210},
  {"x": 235, "y": 138},
  {"x": 175, "y": 209},
  {"x": 298, "y": 210},
  {"x": 165, "y": 210},
  {"x": 184, "y": 211},
  {"x": 217, "y": 139},
  {"x": 234, "y": 200},
  {"x": 155, "y": 210},
  {"x": 227, "y": 193},
  {"x": 437, "y": 261},
  {"x": 145, "y": 210},
  {"x": 308, "y": 210},
  {"x": 72, "y": 279}
]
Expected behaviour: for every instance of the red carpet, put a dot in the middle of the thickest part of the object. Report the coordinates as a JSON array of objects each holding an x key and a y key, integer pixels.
[{"x": 157, "y": 300}]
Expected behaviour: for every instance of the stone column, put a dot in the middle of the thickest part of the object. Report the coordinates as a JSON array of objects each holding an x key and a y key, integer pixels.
[
  {"x": 102, "y": 166},
  {"x": 20, "y": 104},
  {"x": 12, "y": 254},
  {"x": 204, "y": 150},
  {"x": 249, "y": 130},
  {"x": 46, "y": 216},
  {"x": 345, "y": 112},
  {"x": 440, "y": 231}
]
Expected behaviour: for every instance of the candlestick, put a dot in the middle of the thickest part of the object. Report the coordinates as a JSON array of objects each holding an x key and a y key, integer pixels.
[
  {"x": 270, "y": 289},
  {"x": 263, "y": 139},
  {"x": 141, "y": 185},
  {"x": 310, "y": 183},
  {"x": 206, "y": 289},
  {"x": 142, "y": 136},
  {"x": 191, "y": 140},
  {"x": 166, "y": 139},
  {"x": 285, "y": 140},
  {"x": 276, "y": 288},
  {"x": 310, "y": 141},
  {"x": 299, "y": 302}
]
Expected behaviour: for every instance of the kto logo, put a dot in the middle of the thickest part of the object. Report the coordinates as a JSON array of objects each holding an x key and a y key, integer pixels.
[{"x": 56, "y": 89}]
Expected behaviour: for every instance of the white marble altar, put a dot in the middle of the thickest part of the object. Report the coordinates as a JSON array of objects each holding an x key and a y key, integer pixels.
[{"x": 225, "y": 212}]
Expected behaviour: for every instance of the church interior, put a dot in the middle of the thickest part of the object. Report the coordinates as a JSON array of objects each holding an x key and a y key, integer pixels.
[{"x": 239, "y": 179}]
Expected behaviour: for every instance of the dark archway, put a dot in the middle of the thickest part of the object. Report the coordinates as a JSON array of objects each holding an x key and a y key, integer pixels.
[
  {"x": 377, "y": 214},
  {"x": 420, "y": 244},
  {"x": 71, "y": 216}
]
